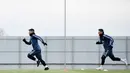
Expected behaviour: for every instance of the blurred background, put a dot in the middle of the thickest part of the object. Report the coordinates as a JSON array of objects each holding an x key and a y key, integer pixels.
[
  {"x": 83, "y": 17},
  {"x": 78, "y": 50}
]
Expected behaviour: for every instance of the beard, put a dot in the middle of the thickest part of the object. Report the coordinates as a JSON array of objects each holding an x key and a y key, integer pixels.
[
  {"x": 101, "y": 34},
  {"x": 31, "y": 34}
]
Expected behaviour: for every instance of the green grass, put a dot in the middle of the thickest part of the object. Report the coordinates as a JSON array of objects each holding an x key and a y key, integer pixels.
[{"x": 62, "y": 71}]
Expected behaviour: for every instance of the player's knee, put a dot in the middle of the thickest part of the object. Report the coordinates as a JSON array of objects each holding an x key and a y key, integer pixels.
[{"x": 28, "y": 55}]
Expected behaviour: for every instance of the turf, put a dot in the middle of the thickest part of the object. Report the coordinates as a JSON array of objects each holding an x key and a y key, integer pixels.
[{"x": 62, "y": 71}]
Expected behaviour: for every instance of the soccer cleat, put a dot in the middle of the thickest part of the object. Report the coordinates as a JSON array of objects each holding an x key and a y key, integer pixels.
[
  {"x": 125, "y": 61},
  {"x": 46, "y": 68},
  {"x": 38, "y": 63},
  {"x": 100, "y": 68}
]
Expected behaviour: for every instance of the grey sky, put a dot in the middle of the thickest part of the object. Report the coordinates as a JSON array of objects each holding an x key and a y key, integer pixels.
[{"x": 84, "y": 17}]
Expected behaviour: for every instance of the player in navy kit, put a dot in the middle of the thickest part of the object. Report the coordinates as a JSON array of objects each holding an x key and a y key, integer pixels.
[
  {"x": 36, "y": 52},
  {"x": 107, "y": 42}
]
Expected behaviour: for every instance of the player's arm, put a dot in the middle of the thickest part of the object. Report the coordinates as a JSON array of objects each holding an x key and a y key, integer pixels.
[
  {"x": 26, "y": 42},
  {"x": 100, "y": 41},
  {"x": 39, "y": 38}
]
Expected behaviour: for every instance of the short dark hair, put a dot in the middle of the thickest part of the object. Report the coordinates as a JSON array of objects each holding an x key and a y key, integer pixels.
[
  {"x": 101, "y": 30},
  {"x": 31, "y": 29}
]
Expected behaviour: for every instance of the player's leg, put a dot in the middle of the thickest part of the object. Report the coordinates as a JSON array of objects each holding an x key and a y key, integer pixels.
[
  {"x": 38, "y": 63},
  {"x": 31, "y": 55},
  {"x": 111, "y": 55},
  {"x": 39, "y": 57},
  {"x": 103, "y": 58}
]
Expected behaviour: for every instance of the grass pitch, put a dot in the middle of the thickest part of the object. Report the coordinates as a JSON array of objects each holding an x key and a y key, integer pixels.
[{"x": 62, "y": 71}]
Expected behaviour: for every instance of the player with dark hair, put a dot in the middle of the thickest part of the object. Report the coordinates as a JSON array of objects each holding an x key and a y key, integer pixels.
[
  {"x": 36, "y": 52},
  {"x": 107, "y": 42}
]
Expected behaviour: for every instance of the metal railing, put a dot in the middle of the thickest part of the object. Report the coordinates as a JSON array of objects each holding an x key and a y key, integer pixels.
[{"x": 72, "y": 51}]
